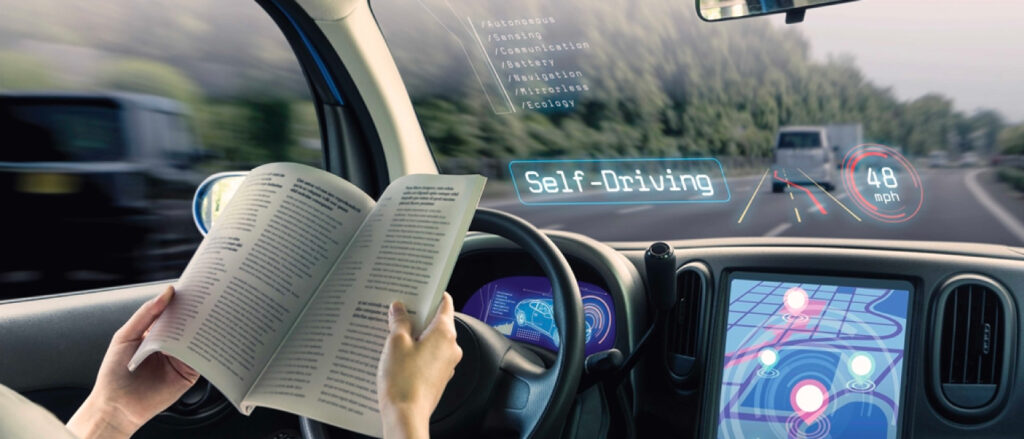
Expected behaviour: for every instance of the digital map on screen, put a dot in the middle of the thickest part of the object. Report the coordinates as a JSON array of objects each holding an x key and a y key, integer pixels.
[{"x": 808, "y": 360}]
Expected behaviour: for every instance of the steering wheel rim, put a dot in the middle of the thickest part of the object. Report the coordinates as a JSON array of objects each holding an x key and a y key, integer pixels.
[{"x": 510, "y": 389}]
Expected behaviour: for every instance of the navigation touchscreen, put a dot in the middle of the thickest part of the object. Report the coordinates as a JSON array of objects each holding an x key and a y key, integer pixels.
[{"x": 812, "y": 357}]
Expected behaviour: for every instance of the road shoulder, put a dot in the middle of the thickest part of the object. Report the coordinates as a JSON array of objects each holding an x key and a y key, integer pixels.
[{"x": 1001, "y": 200}]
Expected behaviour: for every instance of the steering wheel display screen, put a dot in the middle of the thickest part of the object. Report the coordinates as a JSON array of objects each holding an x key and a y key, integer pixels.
[
  {"x": 813, "y": 357},
  {"x": 520, "y": 307}
]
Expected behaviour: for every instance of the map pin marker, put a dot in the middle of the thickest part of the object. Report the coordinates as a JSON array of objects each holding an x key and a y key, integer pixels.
[
  {"x": 861, "y": 366},
  {"x": 809, "y": 399},
  {"x": 768, "y": 357},
  {"x": 795, "y": 301}
]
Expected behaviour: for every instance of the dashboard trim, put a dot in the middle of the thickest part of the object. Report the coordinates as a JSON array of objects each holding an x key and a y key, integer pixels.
[
  {"x": 691, "y": 382},
  {"x": 1008, "y": 372},
  {"x": 927, "y": 247}
]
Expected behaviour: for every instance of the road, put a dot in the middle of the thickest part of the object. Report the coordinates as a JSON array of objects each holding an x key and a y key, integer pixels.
[{"x": 965, "y": 205}]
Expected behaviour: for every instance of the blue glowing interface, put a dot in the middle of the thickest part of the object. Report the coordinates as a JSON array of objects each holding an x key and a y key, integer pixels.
[
  {"x": 625, "y": 181},
  {"x": 521, "y": 308},
  {"x": 812, "y": 359}
]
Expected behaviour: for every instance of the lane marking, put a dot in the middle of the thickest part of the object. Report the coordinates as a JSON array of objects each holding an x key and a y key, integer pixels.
[
  {"x": 791, "y": 196},
  {"x": 808, "y": 191},
  {"x": 797, "y": 212},
  {"x": 1006, "y": 218},
  {"x": 556, "y": 226},
  {"x": 633, "y": 209},
  {"x": 843, "y": 195},
  {"x": 777, "y": 230},
  {"x": 754, "y": 195}
]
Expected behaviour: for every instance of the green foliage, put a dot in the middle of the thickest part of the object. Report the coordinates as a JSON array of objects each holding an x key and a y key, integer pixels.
[
  {"x": 1013, "y": 177},
  {"x": 663, "y": 84},
  {"x": 223, "y": 129},
  {"x": 19, "y": 71},
  {"x": 270, "y": 122},
  {"x": 245, "y": 133},
  {"x": 150, "y": 77},
  {"x": 984, "y": 127},
  {"x": 1011, "y": 140}
]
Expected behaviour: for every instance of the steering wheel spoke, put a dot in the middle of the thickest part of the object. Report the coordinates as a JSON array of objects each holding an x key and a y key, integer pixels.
[{"x": 521, "y": 393}]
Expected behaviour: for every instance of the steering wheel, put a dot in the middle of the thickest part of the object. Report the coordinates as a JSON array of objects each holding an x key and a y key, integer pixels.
[{"x": 500, "y": 387}]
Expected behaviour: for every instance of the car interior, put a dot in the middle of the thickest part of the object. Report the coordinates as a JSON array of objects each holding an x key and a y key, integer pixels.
[{"x": 757, "y": 300}]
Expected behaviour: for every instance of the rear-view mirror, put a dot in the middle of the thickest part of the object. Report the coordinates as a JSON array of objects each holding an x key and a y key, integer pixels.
[
  {"x": 212, "y": 197},
  {"x": 715, "y": 10}
]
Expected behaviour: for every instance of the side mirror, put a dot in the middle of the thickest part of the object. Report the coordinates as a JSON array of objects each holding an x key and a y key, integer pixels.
[
  {"x": 212, "y": 197},
  {"x": 716, "y": 10}
]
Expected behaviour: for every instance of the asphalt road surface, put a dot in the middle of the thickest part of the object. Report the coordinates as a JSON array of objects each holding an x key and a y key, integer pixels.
[{"x": 966, "y": 205}]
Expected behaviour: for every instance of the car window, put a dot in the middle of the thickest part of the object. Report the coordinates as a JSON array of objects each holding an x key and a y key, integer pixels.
[
  {"x": 582, "y": 114},
  {"x": 112, "y": 115},
  {"x": 179, "y": 143}
]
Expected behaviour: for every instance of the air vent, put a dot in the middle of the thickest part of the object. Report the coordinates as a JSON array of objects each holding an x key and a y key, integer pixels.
[
  {"x": 684, "y": 319},
  {"x": 974, "y": 314}
]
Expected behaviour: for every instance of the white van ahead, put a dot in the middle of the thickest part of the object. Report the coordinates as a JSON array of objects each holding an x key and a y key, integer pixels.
[{"x": 802, "y": 155}]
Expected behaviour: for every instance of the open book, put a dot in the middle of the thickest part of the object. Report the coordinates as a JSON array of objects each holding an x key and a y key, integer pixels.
[{"x": 284, "y": 304}]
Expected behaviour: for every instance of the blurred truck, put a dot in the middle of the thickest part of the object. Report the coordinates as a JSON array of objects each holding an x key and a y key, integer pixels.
[
  {"x": 97, "y": 190},
  {"x": 843, "y": 137}
]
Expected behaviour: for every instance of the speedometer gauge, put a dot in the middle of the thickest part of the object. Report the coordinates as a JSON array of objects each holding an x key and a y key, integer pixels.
[
  {"x": 522, "y": 308},
  {"x": 883, "y": 183}
]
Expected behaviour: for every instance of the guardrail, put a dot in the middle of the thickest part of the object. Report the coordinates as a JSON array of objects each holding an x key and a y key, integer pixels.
[{"x": 1011, "y": 161}]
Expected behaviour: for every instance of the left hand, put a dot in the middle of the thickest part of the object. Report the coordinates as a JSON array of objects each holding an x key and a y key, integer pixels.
[{"x": 122, "y": 401}]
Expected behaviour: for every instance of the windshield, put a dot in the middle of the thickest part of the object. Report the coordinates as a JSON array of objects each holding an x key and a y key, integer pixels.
[{"x": 638, "y": 121}]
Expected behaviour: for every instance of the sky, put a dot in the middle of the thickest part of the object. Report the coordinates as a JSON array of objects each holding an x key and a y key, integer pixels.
[{"x": 969, "y": 50}]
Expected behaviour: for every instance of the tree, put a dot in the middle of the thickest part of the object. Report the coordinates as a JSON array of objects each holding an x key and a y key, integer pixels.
[
  {"x": 270, "y": 121},
  {"x": 986, "y": 125},
  {"x": 20, "y": 71},
  {"x": 1011, "y": 140},
  {"x": 150, "y": 77}
]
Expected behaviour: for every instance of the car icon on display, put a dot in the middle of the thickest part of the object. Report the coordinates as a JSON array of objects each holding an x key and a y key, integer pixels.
[{"x": 538, "y": 315}]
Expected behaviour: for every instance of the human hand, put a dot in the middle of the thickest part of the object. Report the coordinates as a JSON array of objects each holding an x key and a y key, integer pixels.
[
  {"x": 413, "y": 373},
  {"x": 122, "y": 401}
]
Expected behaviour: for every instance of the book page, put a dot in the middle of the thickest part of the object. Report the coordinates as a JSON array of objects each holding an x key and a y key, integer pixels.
[
  {"x": 266, "y": 254},
  {"x": 327, "y": 367}
]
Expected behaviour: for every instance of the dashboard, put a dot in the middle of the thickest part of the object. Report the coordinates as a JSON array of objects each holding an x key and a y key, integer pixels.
[{"x": 780, "y": 337}]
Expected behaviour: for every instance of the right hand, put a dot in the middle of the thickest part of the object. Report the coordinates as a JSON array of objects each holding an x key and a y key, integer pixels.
[{"x": 413, "y": 373}]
